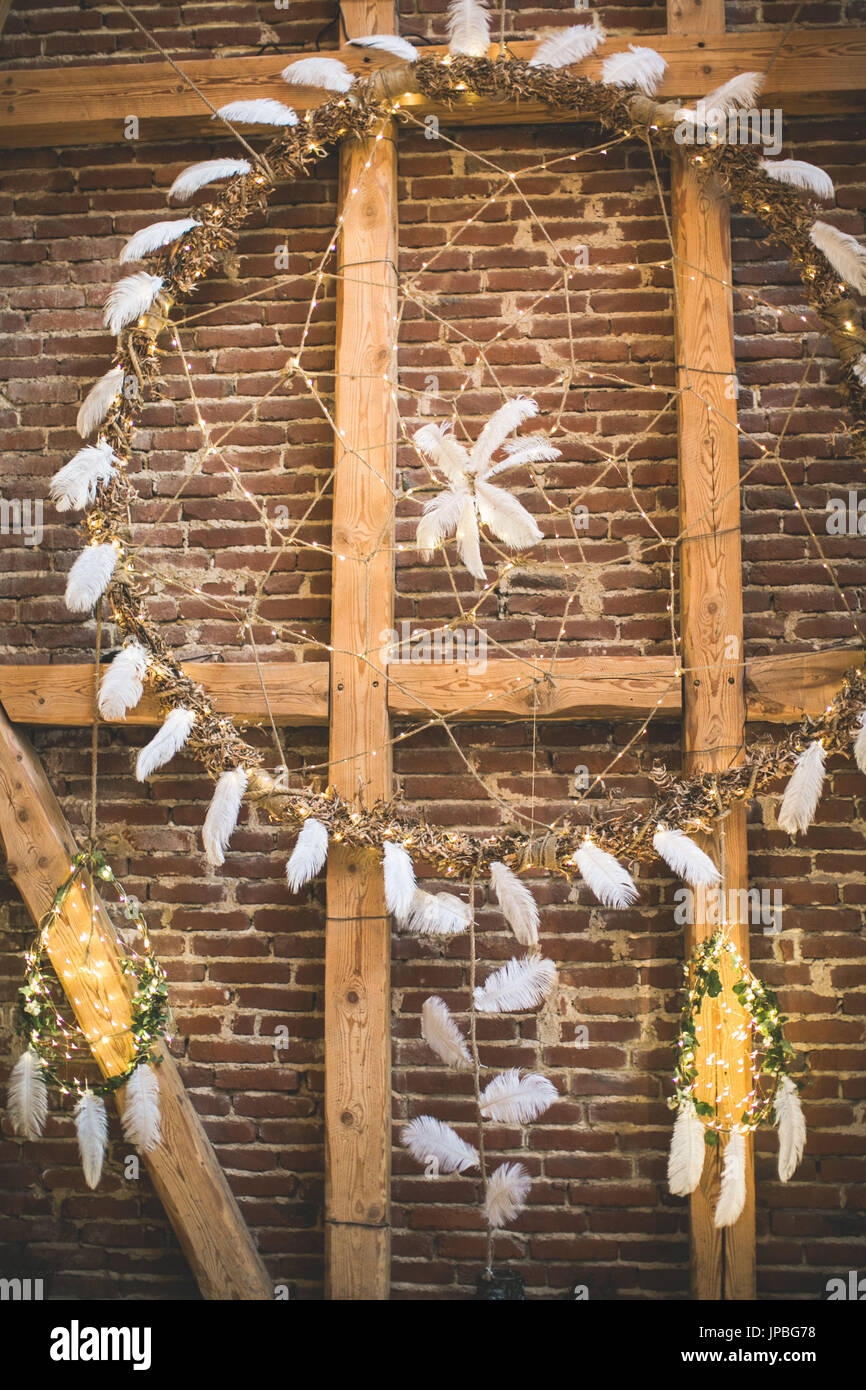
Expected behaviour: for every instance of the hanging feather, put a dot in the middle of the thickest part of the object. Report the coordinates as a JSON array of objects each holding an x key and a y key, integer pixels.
[
  {"x": 640, "y": 67},
  {"x": 91, "y": 1124},
  {"x": 123, "y": 683},
  {"x": 509, "y": 417},
  {"x": 799, "y": 174},
  {"x": 860, "y": 743},
  {"x": 859, "y": 368},
  {"x": 437, "y": 914},
  {"x": 468, "y": 28},
  {"x": 259, "y": 111},
  {"x": 440, "y": 446},
  {"x": 399, "y": 881},
  {"x": 441, "y": 1033},
  {"x": 517, "y": 985},
  {"x": 27, "y": 1101},
  {"x": 140, "y": 1118},
  {"x": 788, "y": 1114},
  {"x": 309, "y": 855},
  {"x": 687, "y": 1152},
  {"x": 507, "y": 518},
  {"x": 803, "y": 791},
  {"x": 197, "y": 176},
  {"x": 468, "y": 541},
  {"x": 98, "y": 401},
  {"x": 441, "y": 518},
  {"x": 516, "y": 1100},
  {"x": 531, "y": 448},
  {"x": 130, "y": 299},
  {"x": 568, "y": 46},
  {"x": 388, "y": 43},
  {"x": 222, "y": 814},
  {"x": 685, "y": 857},
  {"x": 737, "y": 94},
  {"x": 154, "y": 237},
  {"x": 168, "y": 740},
  {"x": 519, "y": 907},
  {"x": 427, "y": 1138},
  {"x": 89, "y": 577},
  {"x": 75, "y": 484},
  {"x": 844, "y": 252},
  {"x": 506, "y": 1195},
  {"x": 604, "y": 876},
  {"x": 732, "y": 1194},
  {"x": 328, "y": 74}
]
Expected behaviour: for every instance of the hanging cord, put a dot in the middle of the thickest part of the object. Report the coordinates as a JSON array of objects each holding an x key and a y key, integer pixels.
[{"x": 476, "y": 1066}]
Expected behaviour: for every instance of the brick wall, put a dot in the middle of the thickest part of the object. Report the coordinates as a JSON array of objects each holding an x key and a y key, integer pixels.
[{"x": 243, "y": 956}]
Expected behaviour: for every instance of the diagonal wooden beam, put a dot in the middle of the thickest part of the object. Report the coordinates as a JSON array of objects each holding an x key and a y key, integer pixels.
[{"x": 184, "y": 1169}]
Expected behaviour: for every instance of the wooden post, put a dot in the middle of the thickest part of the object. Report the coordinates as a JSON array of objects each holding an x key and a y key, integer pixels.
[
  {"x": 722, "y": 1263},
  {"x": 357, "y": 948},
  {"x": 183, "y": 1167}
]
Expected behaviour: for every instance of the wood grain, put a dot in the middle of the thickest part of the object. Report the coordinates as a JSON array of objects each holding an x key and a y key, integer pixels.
[
  {"x": 783, "y": 689},
  {"x": 184, "y": 1168}
]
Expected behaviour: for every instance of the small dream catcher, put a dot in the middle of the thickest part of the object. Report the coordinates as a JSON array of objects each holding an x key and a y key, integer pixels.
[
  {"x": 733, "y": 1073},
  {"x": 56, "y": 1047}
]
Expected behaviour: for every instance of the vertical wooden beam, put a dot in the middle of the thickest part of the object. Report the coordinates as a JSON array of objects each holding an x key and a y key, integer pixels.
[
  {"x": 722, "y": 1263},
  {"x": 357, "y": 950}
]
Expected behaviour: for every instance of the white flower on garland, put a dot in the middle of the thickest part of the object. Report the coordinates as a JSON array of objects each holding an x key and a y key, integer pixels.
[{"x": 470, "y": 496}]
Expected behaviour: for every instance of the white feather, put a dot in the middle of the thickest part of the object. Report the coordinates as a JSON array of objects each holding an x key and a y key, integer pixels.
[
  {"x": 507, "y": 518},
  {"x": 859, "y": 369},
  {"x": 516, "y": 1100},
  {"x": 507, "y": 1191},
  {"x": 427, "y": 1138},
  {"x": 604, "y": 876},
  {"x": 468, "y": 541},
  {"x": 568, "y": 46},
  {"x": 259, "y": 111},
  {"x": 75, "y": 484},
  {"x": 168, "y": 740},
  {"x": 437, "y": 914},
  {"x": 788, "y": 1114},
  {"x": 685, "y": 857},
  {"x": 388, "y": 43},
  {"x": 27, "y": 1101},
  {"x": 803, "y": 791},
  {"x": 328, "y": 74},
  {"x": 140, "y": 1118},
  {"x": 99, "y": 400},
  {"x": 399, "y": 881},
  {"x": 799, "y": 174},
  {"x": 737, "y": 94},
  {"x": 309, "y": 855},
  {"x": 860, "y": 743},
  {"x": 89, "y": 577},
  {"x": 130, "y": 298},
  {"x": 441, "y": 1033},
  {"x": 468, "y": 28},
  {"x": 509, "y": 417},
  {"x": 687, "y": 1152},
  {"x": 640, "y": 67},
  {"x": 517, "y": 985},
  {"x": 732, "y": 1194},
  {"x": 844, "y": 252},
  {"x": 123, "y": 683},
  {"x": 533, "y": 448},
  {"x": 222, "y": 814},
  {"x": 197, "y": 176},
  {"x": 519, "y": 907},
  {"x": 152, "y": 238},
  {"x": 441, "y": 517},
  {"x": 440, "y": 446},
  {"x": 91, "y": 1124}
]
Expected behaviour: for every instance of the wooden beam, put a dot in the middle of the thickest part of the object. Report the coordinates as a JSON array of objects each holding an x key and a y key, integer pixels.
[
  {"x": 358, "y": 930},
  {"x": 783, "y": 689},
  {"x": 184, "y": 1168},
  {"x": 818, "y": 70}
]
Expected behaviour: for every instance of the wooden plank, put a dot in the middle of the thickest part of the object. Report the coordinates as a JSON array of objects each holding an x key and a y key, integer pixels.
[
  {"x": 783, "y": 689},
  {"x": 358, "y": 933},
  {"x": 711, "y": 599},
  {"x": 63, "y": 695},
  {"x": 184, "y": 1168},
  {"x": 819, "y": 69}
]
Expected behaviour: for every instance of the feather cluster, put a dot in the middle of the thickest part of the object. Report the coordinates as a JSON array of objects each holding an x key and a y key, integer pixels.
[
  {"x": 517, "y": 985},
  {"x": 99, "y": 400},
  {"x": 89, "y": 577},
  {"x": 639, "y": 67},
  {"x": 844, "y": 252},
  {"x": 518, "y": 905},
  {"x": 568, "y": 46},
  {"x": 441, "y": 1033},
  {"x": 788, "y": 1114},
  {"x": 513, "y": 1099},
  {"x": 803, "y": 791},
  {"x": 860, "y": 743},
  {"x": 259, "y": 111},
  {"x": 123, "y": 683},
  {"x": 685, "y": 857},
  {"x": 507, "y": 1192},
  {"x": 309, "y": 855},
  {"x": 222, "y": 814},
  {"x": 799, "y": 174},
  {"x": 327, "y": 74},
  {"x": 130, "y": 298},
  {"x": 468, "y": 28},
  {"x": 140, "y": 1118},
  {"x": 604, "y": 876},
  {"x": 75, "y": 484},
  {"x": 388, "y": 43},
  {"x": 197, "y": 176},
  {"x": 91, "y": 1125},
  {"x": 399, "y": 881},
  {"x": 153, "y": 238},
  {"x": 168, "y": 740},
  {"x": 27, "y": 1101},
  {"x": 427, "y": 1138},
  {"x": 732, "y": 1194},
  {"x": 437, "y": 914},
  {"x": 687, "y": 1152}
]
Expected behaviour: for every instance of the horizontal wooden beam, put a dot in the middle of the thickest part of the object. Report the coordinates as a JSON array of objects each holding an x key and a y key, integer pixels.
[
  {"x": 815, "y": 70},
  {"x": 782, "y": 689}
]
